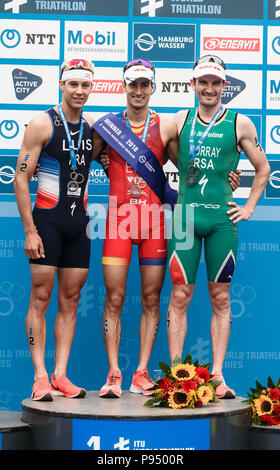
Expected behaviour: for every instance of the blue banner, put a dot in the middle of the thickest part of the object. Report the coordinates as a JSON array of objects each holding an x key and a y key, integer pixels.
[{"x": 188, "y": 434}]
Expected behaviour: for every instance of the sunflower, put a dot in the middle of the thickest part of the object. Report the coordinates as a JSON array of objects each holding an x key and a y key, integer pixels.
[
  {"x": 179, "y": 398},
  {"x": 183, "y": 371},
  {"x": 204, "y": 394},
  {"x": 263, "y": 405}
]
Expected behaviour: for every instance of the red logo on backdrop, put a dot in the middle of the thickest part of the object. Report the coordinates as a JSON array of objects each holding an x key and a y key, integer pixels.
[
  {"x": 108, "y": 86},
  {"x": 232, "y": 44}
]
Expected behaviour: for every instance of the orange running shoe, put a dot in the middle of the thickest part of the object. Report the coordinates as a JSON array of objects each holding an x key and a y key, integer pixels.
[
  {"x": 41, "y": 390},
  {"x": 223, "y": 391},
  {"x": 63, "y": 386},
  {"x": 142, "y": 382},
  {"x": 112, "y": 387}
]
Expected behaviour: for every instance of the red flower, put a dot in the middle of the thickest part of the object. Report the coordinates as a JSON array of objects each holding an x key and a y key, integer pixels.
[
  {"x": 164, "y": 384},
  {"x": 269, "y": 420},
  {"x": 203, "y": 373},
  {"x": 276, "y": 420},
  {"x": 277, "y": 410},
  {"x": 198, "y": 404},
  {"x": 188, "y": 385},
  {"x": 274, "y": 394}
]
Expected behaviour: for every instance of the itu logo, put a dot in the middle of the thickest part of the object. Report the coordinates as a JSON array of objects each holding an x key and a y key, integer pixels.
[
  {"x": 9, "y": 129},
  {"x": 14, "y": 5},
  {"x": 275, "y": 134},
  {"x": 10, "y": 38},
  {"x": 151, "y": 7},
  {"x": 276, "y": 45}
]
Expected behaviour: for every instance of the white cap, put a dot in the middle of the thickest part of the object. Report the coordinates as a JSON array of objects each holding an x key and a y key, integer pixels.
[
  {"x": 209, "y": 68},
  {"x": 77, "y": 74},
  {"x": 138, "y": 71}
]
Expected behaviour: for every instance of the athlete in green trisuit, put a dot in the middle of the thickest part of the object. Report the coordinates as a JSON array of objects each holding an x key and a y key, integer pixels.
[{"x": 210, "y": 142}]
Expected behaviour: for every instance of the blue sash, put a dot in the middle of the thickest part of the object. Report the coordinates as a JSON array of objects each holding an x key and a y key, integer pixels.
[{"x": 135, "y": 152}]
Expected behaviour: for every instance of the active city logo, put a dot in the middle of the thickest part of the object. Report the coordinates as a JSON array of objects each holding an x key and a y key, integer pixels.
[
  {"x": 231, "y": 44},
  {"x": 25, "y": 83},
  {"x": 234, "y": 88}
]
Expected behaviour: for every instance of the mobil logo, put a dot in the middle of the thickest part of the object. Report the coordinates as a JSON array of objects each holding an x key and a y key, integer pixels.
[{"x": 99, "y": 38}]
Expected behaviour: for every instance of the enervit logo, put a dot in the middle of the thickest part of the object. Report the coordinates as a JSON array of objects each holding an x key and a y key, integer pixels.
[
  {"x": 14, "y": 5},
  {"x": 276, "y": 45},
  {"x": 10, "y": 38},
  {"x": 145, "y": 42},
  {"x": 108, "y": 86},
  {"x": 151, "y": 7},
  {"x": 9, "y": 129},
  {"x": 77, "y": 37},
  {"x": 231, "y": 44}
]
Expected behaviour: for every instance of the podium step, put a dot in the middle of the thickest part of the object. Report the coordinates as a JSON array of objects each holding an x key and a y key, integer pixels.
[{"x": 14, "y": 433}]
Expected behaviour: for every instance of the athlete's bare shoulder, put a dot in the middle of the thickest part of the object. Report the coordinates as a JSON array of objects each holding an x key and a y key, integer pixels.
[
  {"x": 40, "y": 128},
  {"x": 179, "y": 119},
  {"x": 89, "y": 118},
  {"x": 168, "y": 129}
]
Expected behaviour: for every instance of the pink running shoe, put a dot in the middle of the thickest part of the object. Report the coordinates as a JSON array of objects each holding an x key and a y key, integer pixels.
[
  {"x": 223, "y": 391},
  {"x": 141, "y": 382},
  {"x": 41, "y": 390},
  {"x": 63, "y": 386},
  {"x": 112, "y": 388}
]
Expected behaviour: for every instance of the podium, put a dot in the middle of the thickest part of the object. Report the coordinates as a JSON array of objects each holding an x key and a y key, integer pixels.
[{"x": 94, "y": 423}]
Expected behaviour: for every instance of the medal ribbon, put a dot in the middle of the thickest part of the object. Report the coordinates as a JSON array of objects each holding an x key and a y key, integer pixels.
[
  {"x": 194, "y": 149},
  {"x": 146, "y": 126},
  {"x": 73, "y": 154}
]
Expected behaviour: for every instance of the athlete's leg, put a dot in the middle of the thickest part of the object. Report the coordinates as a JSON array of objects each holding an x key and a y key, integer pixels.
[
  {"x": 220, "y": 322},
  {"x": 115, "y": 284},
  {"x": 220, "y": 254},
  {"x": 152, "y": 278},
  {"x": 70, "y": 283},
  {"x": 181, "y": 296},
  {"x": 42, "y": 281},
  {"x": 183, "y": 265}
]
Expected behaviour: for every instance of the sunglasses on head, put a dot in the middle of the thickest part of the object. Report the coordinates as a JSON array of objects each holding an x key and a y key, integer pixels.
[
  {"x": 143, "y": 62},
  {"x": 79, "y": 63},
  {"x": 210, "y": 58}
]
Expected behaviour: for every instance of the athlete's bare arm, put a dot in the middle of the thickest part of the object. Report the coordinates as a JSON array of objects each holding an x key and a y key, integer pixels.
[
  {"x": 248, "y": 141},
  {"x": 37, "y": 134}
]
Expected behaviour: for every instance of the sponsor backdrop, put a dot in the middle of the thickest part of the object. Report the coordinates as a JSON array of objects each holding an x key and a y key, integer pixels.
[{"x": 35, "y": 37}]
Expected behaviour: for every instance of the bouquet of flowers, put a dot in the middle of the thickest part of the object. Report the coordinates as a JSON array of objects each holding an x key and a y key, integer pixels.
[
  {"x": 185, "y": 385},
  {"x": 265, "y": 403}
]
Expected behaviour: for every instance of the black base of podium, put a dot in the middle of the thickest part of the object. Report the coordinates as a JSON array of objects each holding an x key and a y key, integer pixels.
[
  {"x": 94, "y": 423},
  {"x": 14, "y": 434}
]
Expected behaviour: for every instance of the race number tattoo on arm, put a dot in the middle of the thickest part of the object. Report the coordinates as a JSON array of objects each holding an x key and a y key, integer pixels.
[
  {"x": 258, "y": 144},
  {"x": 23, "y": 166}
]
